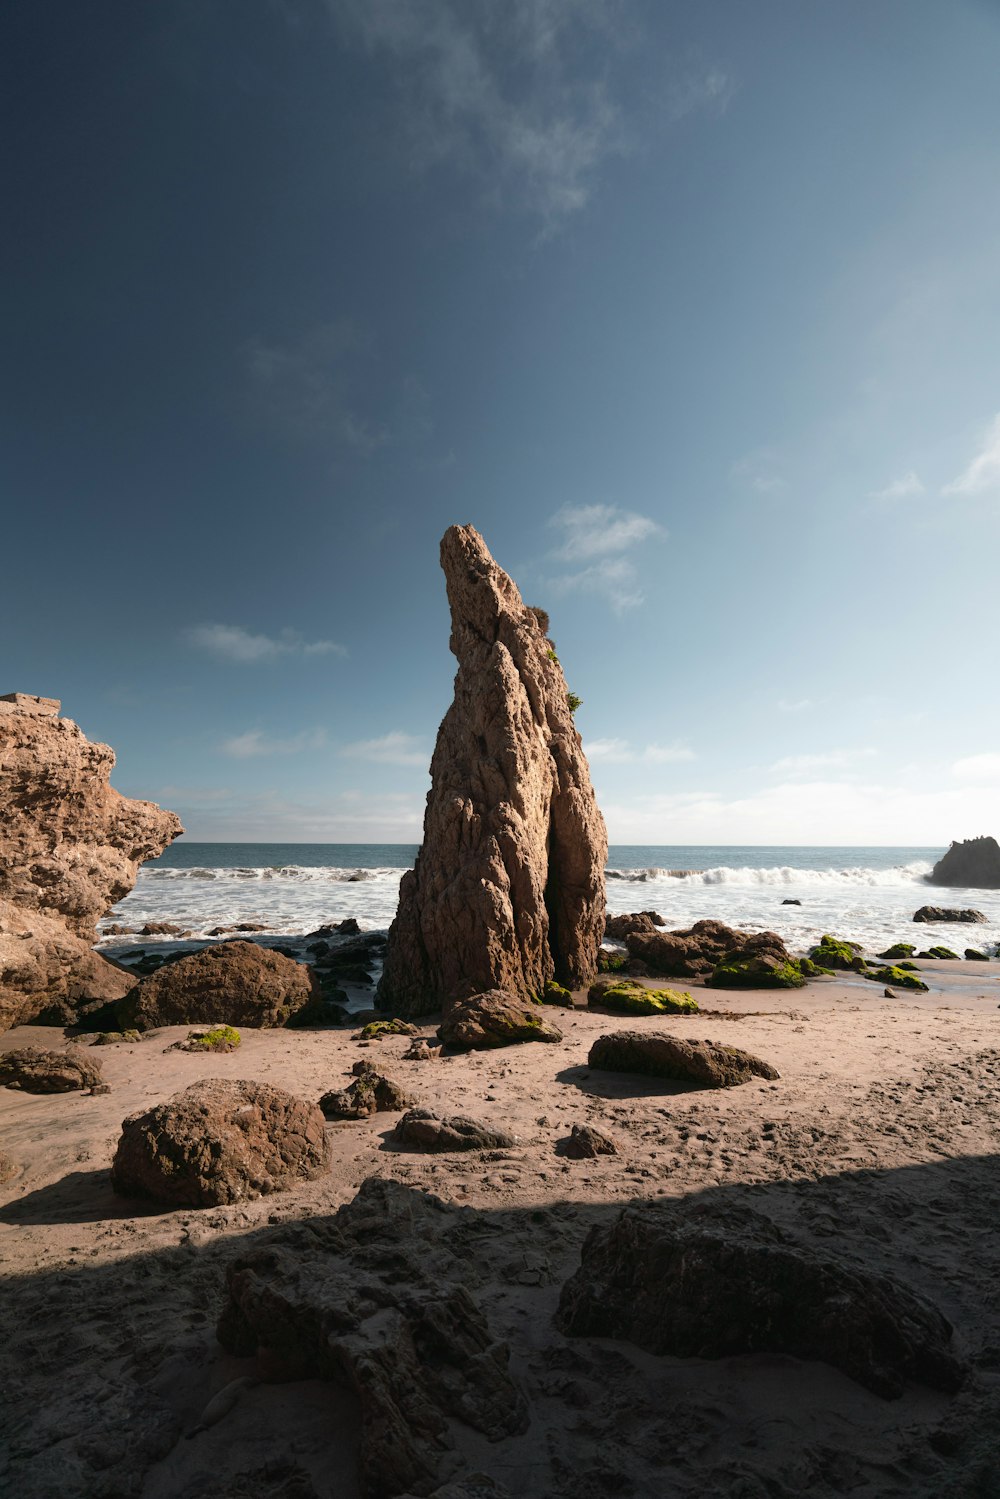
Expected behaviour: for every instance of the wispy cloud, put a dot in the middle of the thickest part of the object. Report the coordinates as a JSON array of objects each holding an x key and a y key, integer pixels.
[
  {"x": 622, "y": 752},
  {"x": 839, "y": 759},
  {"x": 982, "y": 476},
  {"x": 794, "y": 705},
  {"x": 394, "y": 748},
  {"x": 255, "y": 742},
  {"x": 907, "y": 486},
  {"x": 599, "y": 535},
  {"x": 234, "y": 643},
  {"x": 313, "y": 386},
  {"x": 761, "y": 470},
  {"x": 978, "y": 770}
]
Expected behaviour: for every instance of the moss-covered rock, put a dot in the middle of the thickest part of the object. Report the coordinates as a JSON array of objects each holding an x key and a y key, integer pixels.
[
  {"x": 757, "y": 971},
  {"x": 555, "y": 994},
  {"x": 899, "y": 977},
  {"x": 376, "y": 1029},
  {"x": 835, "y": 952},
  {"x": 113, "y": 1038},
  {"x": 898, "y": 950},
  {"x": 219, "y": 1038},
  {"x": 907, "y": 966},
  {"x": 941, "y": 952},
  {"x": 973, "y": 955},
  {"x": 811, "y": 970},
  {"x": 612, "y": 962},
  {"x": 630, "y": 998}
]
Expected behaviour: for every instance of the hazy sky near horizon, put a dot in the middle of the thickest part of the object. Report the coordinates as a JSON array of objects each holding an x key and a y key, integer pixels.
[{"x": 690, "y": 308}]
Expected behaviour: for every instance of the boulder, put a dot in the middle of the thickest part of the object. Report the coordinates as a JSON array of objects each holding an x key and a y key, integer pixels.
[
  {"x": 494, "y": 1019},
  {"x": 789, "y": 901},
  {"x": 585, "y": 1143},
  {"x": 508, "y": 887},
  {"x": 426, "y": 1131},
  {"x": 896, "y": 951},
  {"x": 950, "y": 913},
  {"x": 378, "y": 1300},
  {"x": 219, "y": 1142},
  {"x": 657, "y": 1054},
  {"x": 238, "y": 983},
  {"x": 713, "y": 1281},
  {"x": 973, "y": 864},
  {"x": 838, "y": 954},
  {"x": 893, "y": 973},
  {"x": 36, "y": 1071},
  {"x": 973, "y": 955},
  {"x": 726, "y": 957},
  {"x": 370, "y": 1093},
  {"x": 626, "y": 996},
  {"x": 619, "y": 927},
  {"x": 70, "y": 848},
  {"x": 760, "y": 961}
]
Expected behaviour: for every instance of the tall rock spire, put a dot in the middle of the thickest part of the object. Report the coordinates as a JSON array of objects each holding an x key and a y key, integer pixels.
[{"x": 508, "y": 888}]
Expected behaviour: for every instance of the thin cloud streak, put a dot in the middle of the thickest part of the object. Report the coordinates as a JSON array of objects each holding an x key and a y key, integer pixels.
[
  {"x": 394, "y": 748},
  {"x": 982, "y": 476},
  {"x": 907, "y": 486},
  {"x": 255, "y": 742},
  {"x": 234, "y": 643}
]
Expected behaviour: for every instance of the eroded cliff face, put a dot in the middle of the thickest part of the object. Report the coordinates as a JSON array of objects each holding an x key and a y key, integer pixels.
[
  {"x": 508, "y": 888},
  {"x": 70, "y": 847}
]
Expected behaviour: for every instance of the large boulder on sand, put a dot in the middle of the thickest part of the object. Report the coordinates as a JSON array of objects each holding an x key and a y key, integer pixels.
[
  {"x": 220, "y": 1141},
  {"x": 964, "y": 914},
  {"x": 730, "y": 959},
  {"x": 713, "y": 1281},
  {"x": 508, "y": 888},
  {"x": 34, "y": 1070},
  {"x": 70, "y": 848},
  {"x": 237, "y": 983},
  {"x": 494, "y": 1019},
  {"x": 658, "y": 1054},
  {"x": 425, "y": 1130},
  {"x": 974, "y": 863}
]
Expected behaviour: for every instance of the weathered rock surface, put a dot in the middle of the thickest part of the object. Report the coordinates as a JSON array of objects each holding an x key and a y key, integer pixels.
[
  {"x": 950, "y": 913},
  {"x": 508, "y": 888},
  {"x": 70, "y": 848},
  {"x": 36, "y": 1071},
  {"x": 220, "y": 1141},
  {"x": 8, "y": 1167},
  {"x": 626, "y": 996},
  {"x": 372, "y": 1092},
  {"x": 585, "y": 1142},
  {"x": 729, "y": 958},
  {"x": 708, "y": 1283},
  {"x": 494, "y": 1019},
  {"x": 237, "y": 983},
  {"x": 424, "y": 1130},
  {"x": 619, "y": 927},
  {"x": 973, "y": 863},
  {"x": 377, "y": 1300},
  {"x": 657, "y": 1054}
]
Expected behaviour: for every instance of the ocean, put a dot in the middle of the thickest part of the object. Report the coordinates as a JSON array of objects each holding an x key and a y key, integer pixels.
[{"x": 867, "y": 895}]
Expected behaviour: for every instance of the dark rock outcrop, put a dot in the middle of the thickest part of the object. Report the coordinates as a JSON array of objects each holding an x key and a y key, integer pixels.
[
  {"x": 424, "y": 1130},
  {"x": 626, "y": 996},
  {"x": 973, "y": 863},
  {"x": 585, "y": 1142},
  {"x": 377, "y": 1300},
  {"x": 950, "y": 913},
  {"x": 238, "y": 983},
  {"x": 619, "y": 927},
  {"x": 219, "y": 1142},
  {"x": 731, "y": 959},
  {"x": 709, "y": 1283},
  {"x": 372, "y": 1092},
  {"x": 70, "y": 848},
  {"x": 508, "y": 888},
  {"x": 656, "y": 1054},
  {"x": 484, "y": 1021},
  {"x": 36, "y": 1071}
]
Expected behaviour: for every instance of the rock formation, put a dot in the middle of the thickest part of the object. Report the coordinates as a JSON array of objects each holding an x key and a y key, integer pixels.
[
  {"x": 714, "y": 1281},
  {"x": 658, "y": 1054},
  {"x": 494, "y": 1019},
  {"x": 36, "y": 1071},
  {"x": 71, "y": 847},
  {"x": 974, "y": 863},
  {"x": 371, "y": 1092},
  {"x": 508, "y": 888},
  {"x": 220, "y": 1142},
  {"x": 424, "y": 1130},
  {"x": 237, "y": 983},
  {"x": 729, "y": 959},
  {"x": 951, "y": 913}
]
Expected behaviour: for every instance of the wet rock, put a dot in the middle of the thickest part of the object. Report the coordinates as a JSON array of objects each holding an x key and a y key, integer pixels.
[
  {"x": 377, "y": 1300},
  {"x": 239, "y": 983},
  {"x": 372, "y": 1092},
  {"x": 791, "y": 902},
  {"x": 70, "y": 847},
  {"x": 892, "y": 973},
  {"x": 728, "y": 958},
  {"x": 838, "y": 954},
  {"x": 584, "y": 1142},
  {"x": 973, "y": 955},
  {"x": 712, "y": 1282},
  {"x": 424, "y": 1130},
  {"x": 33, "y": 1070},
  {"x": 625, "y": 996},
  {"x": 972, "y": 864},
  {"x": 896, "y": 951},
  {"x": 949, "y": 913},
  {"x": 162, "y": 929},
  {"x": 508, "y": 888},
  {"x": 657, "y": 1054},
  {"x": 619, "y": 927},
  {"x": 494, "y": 1019},
  {"x": 218, "y": 1142}
]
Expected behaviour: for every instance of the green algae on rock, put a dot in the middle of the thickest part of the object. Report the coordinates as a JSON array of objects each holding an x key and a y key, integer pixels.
[
  {"x": 834, "y": 952},
  {"x": 632, "y": 998},
  {"x": 896, "y": 975}
]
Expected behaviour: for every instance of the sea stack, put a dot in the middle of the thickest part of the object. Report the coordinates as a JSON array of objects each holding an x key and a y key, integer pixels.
[
  {"x": 70, "y": 847},
  {"x": 508, "y": 887},
  {"x": 973, "y": 864}
]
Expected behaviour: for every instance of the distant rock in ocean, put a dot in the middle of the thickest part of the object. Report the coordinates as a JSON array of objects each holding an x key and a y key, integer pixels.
[
  {"x": 973, "y": 864},
  {"x": 70, "y": 847},
  {"x": 508, "y": 888}
]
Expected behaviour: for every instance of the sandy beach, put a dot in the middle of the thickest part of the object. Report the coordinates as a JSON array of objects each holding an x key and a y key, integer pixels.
[{"x": 878, "y": 1142}]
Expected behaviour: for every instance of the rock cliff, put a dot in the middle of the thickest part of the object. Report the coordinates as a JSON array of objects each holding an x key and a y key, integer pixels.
[
  {"x": 508, "y": 888},
  {"x": 70, "y": 847},
  {"x": 973, "y": 864}
]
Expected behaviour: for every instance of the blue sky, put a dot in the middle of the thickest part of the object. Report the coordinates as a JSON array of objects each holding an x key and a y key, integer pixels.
[{"x": 691, "y": 309}]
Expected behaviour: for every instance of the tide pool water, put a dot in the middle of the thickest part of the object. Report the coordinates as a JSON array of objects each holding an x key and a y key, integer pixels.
[{"x": 867, "y": 895}]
